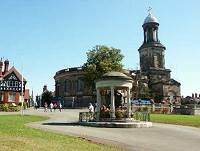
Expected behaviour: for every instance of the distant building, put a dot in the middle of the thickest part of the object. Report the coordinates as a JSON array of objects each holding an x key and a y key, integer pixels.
[
  {"x": 27, "y": 97},
  {"x": 10, "y": 84},
  {"x": 152, "y": 78},
  {"x": 70, "y": 86}
]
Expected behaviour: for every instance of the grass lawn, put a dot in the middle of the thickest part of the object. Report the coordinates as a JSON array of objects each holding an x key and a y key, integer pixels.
[
  {"x": 15, "y": 136},
  {"x": 187, "y": 120}
]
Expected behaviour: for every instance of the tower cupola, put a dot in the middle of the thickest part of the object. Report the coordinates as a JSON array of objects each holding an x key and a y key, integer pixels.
[
  {"x": 150, "y": 27},
  {"x": 151, "y": 51}
]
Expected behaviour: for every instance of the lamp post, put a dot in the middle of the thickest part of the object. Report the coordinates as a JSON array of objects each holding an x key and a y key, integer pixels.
[
  {"x": 22, "y": 94},
  {"x": 22, "y": 98}
]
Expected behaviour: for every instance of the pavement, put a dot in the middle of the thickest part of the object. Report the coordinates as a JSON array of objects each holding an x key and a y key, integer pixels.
[{"x": 165, "y": 137}]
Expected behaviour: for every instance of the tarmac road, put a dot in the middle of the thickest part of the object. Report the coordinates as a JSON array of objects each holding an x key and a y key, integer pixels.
[{"x": 161, "y": 137}]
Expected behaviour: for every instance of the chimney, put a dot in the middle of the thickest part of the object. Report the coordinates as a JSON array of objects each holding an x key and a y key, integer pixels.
[
  {"x": 192, "y": 95},
  {"x": 195, "y": 95},
  {"x": 1, "y": 66},
  {"x": 6, "y": 65}
]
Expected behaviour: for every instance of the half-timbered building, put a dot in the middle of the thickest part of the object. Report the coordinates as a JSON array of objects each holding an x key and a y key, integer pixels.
[{"x": 10, "y": 84}]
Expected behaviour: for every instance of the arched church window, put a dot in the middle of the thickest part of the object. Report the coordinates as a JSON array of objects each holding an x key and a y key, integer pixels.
[
  {"x": 57, "y": 88},
  {"x": 145, "y": 35},
  {"x": 80, "y": 84},
  {"x": 67, "y": 85},
  {"x": 154, "y": 35}
]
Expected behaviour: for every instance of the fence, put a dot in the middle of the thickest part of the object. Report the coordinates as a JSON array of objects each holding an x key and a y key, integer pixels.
[
  {"x": 141, "y": 116},
  {"x": 190, "y": 109},
  {"x": 155, "y": 108}
]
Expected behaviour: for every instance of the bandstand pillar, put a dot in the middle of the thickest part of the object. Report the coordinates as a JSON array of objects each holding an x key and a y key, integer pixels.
[
  {"x": 112, "y": 105},
  {"x": 98, "y": 105},
  {"x": 128, "y": 103}
]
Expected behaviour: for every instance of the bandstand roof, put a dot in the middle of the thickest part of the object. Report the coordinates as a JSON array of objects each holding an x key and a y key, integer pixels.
[
  {"x": 114, "y": 79},
  {"x": 115, "y": 75}
]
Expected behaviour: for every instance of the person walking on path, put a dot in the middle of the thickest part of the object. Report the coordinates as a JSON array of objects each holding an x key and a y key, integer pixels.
[
  {"x": 51, "y": 106},
  {"x": 54, "y": 107},
  {"x": 91, "y": 108},
  {"x": 91, "y": 111},
  {"x": 35, "y": 105},
  {"x": 60, "y": 107},
  {"x": 45, "y": 106}
]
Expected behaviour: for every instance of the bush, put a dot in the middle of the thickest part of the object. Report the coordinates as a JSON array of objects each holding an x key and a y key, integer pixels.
[
  {"x": 9, "y": 108},
  {"x": 120, "y": 113},
  {"x": 4, "y": 107},
  {"x": 105, "y": 114}
]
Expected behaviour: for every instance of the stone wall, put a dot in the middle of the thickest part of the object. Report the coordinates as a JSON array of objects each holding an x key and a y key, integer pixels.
[{"x": 187, "y": 110}]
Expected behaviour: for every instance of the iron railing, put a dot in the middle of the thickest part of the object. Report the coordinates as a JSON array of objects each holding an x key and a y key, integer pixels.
[{"x": 90, "y": 117}]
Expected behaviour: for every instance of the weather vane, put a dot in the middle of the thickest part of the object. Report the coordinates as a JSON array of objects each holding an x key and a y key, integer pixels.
[{"x": 149, "y": 10}]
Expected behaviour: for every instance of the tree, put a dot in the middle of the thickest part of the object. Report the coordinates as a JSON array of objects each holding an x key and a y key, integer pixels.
[
  {"x": 46, "y": 97},
  {"x": 144, "y": 91},
  {"x": 101, "y": 59}
]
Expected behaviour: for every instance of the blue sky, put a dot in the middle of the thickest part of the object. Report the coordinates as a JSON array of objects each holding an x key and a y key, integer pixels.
[{"x": 40, "y": 37}]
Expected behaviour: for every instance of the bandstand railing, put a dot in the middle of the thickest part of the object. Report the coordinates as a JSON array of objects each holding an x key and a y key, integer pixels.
[
  {"x": 141, "y": 116},
  {"x": 87, "y": 116},
  {"x": 90, "y": 117}
]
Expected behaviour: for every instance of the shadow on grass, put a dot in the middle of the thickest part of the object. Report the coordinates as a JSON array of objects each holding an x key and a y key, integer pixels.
[{"x": 62, "y": 124}]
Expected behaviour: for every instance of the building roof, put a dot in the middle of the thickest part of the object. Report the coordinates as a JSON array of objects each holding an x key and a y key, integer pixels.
[{"x": 14, "y": 70}]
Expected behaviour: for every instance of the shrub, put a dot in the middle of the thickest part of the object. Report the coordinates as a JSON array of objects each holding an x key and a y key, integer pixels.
[
  {"x": 120, "y": 113},
  {"x": 9, "y": 108},
  {"x": 104, "y": 114},
  {"x": 5, "y": 107}
]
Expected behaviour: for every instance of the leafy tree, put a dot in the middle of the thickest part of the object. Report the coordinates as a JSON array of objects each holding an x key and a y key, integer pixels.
[
  {"x": 157, "y": 97},
  {"x": 144, "y": 91},
  {"x": 46, "y": 97},
  {"x": 101, "y": 59}
]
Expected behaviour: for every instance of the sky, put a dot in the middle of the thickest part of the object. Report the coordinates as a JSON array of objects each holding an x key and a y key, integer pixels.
[{"x": 41, "y": 37}]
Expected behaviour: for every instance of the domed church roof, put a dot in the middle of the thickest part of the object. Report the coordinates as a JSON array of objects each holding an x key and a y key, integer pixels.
[{"x": 150, "y": 19}]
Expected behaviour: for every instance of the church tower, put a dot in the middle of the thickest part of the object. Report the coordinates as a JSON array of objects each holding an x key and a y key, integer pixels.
[
  {"x": 152, "y": 61},
  {"x": 152, "y": 51}
]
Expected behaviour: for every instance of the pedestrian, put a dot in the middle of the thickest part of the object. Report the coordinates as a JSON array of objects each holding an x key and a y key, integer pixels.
[
  {"x": 35, "y": 105},
  {"x": 60, "y": 107},
  {"x": 45, "y": 106},
  {"x": 51, "y": 106},
  {"x": 91, "y": 108},
  {"x": 54, "y": 107}
]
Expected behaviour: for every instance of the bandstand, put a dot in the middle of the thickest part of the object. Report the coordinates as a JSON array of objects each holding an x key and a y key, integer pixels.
[
  {"x": 114, "y": 81},
  {"x": 111, "y": 83}
]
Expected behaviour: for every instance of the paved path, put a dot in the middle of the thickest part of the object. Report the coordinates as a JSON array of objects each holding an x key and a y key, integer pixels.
[{"x": 163, "y": 137}]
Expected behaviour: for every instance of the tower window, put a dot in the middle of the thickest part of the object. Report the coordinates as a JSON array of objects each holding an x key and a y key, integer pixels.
[{"x": 156, "y": 62}]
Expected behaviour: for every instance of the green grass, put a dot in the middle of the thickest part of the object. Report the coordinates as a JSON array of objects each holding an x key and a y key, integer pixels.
[
  {"x": 187, "y": 120},
  {"x": 15, "y": 136}
]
